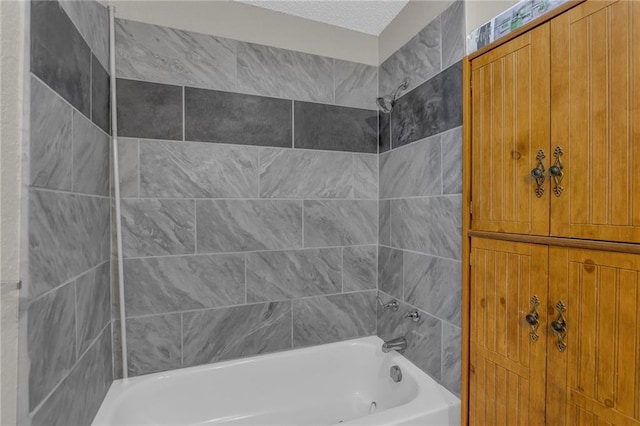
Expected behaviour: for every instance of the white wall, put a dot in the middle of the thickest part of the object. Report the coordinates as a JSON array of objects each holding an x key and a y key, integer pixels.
[
  {"x": 12, "y": 42},
  {"x": 244, "y": 22}
]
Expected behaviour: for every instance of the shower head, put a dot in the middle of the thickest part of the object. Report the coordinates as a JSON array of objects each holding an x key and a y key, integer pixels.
[{"x": 386, "y": 103}]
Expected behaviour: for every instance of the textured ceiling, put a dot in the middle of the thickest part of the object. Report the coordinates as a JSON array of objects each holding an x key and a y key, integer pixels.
[{"x": 366, "y": 16}]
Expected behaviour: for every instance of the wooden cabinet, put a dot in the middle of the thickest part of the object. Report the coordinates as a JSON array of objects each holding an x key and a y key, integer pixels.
[
  {"x": 589, "y": 374},
  {"x": 506, "y": 368},
  {"x": 595, "y": 110},
  {"x": 596, "y": 379},
  {"x": 511, "y": 113},
  {"x": 568, "y": 87}
]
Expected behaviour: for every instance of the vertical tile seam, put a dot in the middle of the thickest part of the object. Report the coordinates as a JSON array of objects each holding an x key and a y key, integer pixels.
[
  {"x": 293, "y": 124},
  {"x": 181, "y": 339},
  {"x": 342, "y": 270},
  {"x": 139, "y": 167},
  {"x": 183, "y": 114},
  {"x": 90, "y": 83},
  {"x": 75, "y": 318},
  {"x": 195, "y": 227},
  {"x": 73, "y": 142}
]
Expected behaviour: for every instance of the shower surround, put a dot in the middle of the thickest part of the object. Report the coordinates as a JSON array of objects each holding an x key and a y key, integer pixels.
[
  {"x": 420, "y": 196},
  {"x": 249, "y": 177},
  {"x": 265, "y": 203},
  {"x": 65, "y": 307}
]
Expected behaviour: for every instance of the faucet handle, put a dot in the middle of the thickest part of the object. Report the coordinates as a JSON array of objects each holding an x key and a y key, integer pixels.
[
  {"x": 413, "y": 315},
  {"x": 392, "y": 304}
]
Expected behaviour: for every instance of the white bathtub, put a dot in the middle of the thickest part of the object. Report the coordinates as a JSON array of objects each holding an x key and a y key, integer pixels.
[{"x": 321, "y": 385}]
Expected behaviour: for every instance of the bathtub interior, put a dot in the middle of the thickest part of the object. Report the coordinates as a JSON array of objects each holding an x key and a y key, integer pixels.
[{"x": 323, "y": 385}]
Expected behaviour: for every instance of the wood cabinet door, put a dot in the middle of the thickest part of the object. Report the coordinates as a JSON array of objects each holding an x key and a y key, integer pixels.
[
  {"x": 507, "y": 368},
  {"x": 596, "y": 379},
  {"x": 510, "y": 98},
  {"x": 595, "y": 98}
]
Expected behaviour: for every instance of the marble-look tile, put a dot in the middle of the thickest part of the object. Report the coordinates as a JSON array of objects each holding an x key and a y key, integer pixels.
[
  {"x": 235, "y": 118},
  {"x": 197, "y": 170},
  {"x": 384, "y": 132},
  {"x": 434, "y": 285},
  {"x": 50, "y": 139},
  {"x": 453, "y": 34},
  {"x": 68, "y": 234},
  {"x": 166, "y": 55},
  {"x": 451, "y": 358},
  {"x": 424, "y": 338},
  {"x": 59, "y": 55},
  {"x": 428, "y": 225},
  {"x": 128, "y": 156},
  {"x": 384, "y": 222},
  {"x": 432, "y": 108},
  {"x": 149, "y": 110},
  {"x": 390, "y": 270},
  {"x": 93, "y": 305},
  {"x": 365, "y": 176},
  {"x": 154, "y": 343},
  {"x": 413, "y": 170},
  {"x": 90, "y": 157},
  {"x": 452, "y": 161},
  {"x": 270, "y": 71},
  {"x": 417, "y": 61},
  {"x": 247, "y": 225},
  {"x": 356, "y": 84},
  {"x": 169, "y": 284},
  {"x": 286, "y": 173},
  {"x": 100, "y": 96},
  {"x": 78, "y": 398},
  {"x": 327, "y": 319},
  {"x": 278, "y": 275},
  {"x": 360, "y": 268},
  {"x": 226, "y": 333},
  {"x": 332, "y": 223},
  {"x": 92, "y": 20},
  {"x": 157, "y": 227},
  {"x": 335, "y": 128},
  {"x": 51, "y": 341}
]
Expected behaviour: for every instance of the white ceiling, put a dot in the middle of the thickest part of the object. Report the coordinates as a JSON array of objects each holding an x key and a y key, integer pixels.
[{"x": 365, "y": 16}]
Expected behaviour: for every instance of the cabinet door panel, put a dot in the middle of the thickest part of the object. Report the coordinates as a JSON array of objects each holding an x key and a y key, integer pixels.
[
  {"x": 510, "y": 123},
  {"x": 596, "y": 380},
  {"x": 595, "y": 104},
  {"x": 507, "y": 382}
]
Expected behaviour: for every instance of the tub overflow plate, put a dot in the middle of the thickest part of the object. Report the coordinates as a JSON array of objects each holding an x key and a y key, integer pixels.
[{"x": 395, "y": 373}]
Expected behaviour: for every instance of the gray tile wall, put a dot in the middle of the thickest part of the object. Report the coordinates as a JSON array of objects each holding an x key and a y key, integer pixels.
[
  {"x": 250, "y": 222},
  {"x": 67, "y": 300},
  {"x": 419, "y": 214}
]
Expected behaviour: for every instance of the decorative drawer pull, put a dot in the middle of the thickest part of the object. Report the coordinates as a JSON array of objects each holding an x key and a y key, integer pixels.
[
  {"x": 559, "y": 326},
  {"x": 532, "y": 318},
  {"x": 556, "y": 171},
  {"x": 538, "y": 174}
]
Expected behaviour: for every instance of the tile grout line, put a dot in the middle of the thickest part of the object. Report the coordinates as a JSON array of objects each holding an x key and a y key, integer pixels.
[
  {"x": 139, "y": 168},
  {"x": 224, "y": 253},
  {"x": 183, "y": 113},
  {"x": 182, "y": 339},
  {"x": 238, "y": 305}
]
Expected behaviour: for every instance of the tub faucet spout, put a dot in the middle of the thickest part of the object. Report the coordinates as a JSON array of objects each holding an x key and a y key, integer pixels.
[{"x": 399, "y": 344}]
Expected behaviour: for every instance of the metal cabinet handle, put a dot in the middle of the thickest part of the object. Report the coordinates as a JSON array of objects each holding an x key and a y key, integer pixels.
[
  {"x": 538, "y": 174},
  {"x": 532, "y": 318},
  {"x": 556, "y": 171},
  {"x": 559, "y": 326}
]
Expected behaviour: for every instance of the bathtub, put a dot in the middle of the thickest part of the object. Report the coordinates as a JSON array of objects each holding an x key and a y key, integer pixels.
[{"x": 346, "y": 383}]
